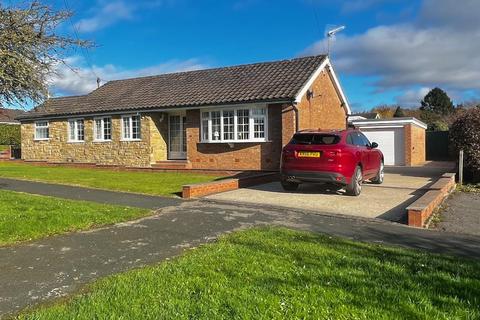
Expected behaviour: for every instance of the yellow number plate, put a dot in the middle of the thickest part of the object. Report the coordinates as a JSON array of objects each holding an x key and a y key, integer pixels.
[{"x": 308, "y": 154}]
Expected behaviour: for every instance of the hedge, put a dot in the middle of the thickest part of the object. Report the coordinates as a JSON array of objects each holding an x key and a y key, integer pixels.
[
  {"x": 10, "y": 134},
  {"x": 465, "y": 135}
]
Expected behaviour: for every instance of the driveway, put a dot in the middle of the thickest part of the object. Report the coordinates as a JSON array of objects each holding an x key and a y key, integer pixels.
[{"x": 402, "y": 186}]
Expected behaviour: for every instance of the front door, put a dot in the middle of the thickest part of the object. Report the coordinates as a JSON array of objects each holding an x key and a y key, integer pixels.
[{"x": 177, "y": 137}]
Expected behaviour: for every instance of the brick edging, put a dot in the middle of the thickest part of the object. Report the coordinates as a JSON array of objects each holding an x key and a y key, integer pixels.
[
  {"x": 421, "y": 210},
  {"x": 202, "y": 189}
]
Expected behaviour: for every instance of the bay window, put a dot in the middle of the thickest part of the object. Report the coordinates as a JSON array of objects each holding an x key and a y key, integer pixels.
[
  {"x": 102, "y": 129},
  {"x": 242, "y": 124},
  {"x": 41, "y": 130},
  {"x": 131, "y": 127},
  {"x": 76, "y": 130}
]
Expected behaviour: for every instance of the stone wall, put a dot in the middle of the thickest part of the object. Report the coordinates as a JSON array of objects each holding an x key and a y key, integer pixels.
[
  {"x": 115, "y": 152},
  {"x": 158, "y": 136}
]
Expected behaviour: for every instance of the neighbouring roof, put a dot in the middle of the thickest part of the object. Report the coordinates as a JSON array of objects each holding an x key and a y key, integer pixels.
[
  {"x": 366, "y": 115},
  {"x": 250, "y": 83},
  {"x": 9, "y": 115},
  {"x": 371, "y": 123}
]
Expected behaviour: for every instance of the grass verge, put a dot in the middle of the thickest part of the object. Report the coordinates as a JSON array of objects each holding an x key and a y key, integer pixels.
[
  {"x": 155, "y": 183},
  {"x": 27, "y": 217},
  {"x": 282, "y": 274}
]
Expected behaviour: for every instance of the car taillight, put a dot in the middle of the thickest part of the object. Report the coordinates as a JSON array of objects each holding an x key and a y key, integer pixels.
[{"x": 288, "y": 154}]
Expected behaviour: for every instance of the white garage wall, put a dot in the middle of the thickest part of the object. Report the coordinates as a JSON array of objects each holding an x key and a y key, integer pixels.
[{"x": 391, "y": 141}]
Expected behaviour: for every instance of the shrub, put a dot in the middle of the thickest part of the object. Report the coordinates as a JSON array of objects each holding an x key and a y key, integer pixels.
[
  {"x": 465, "y": 134},
  {"x": 9, "y": 135}
]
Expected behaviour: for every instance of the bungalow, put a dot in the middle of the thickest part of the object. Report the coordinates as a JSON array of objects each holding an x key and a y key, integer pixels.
[{"x": 232, "y": 118}]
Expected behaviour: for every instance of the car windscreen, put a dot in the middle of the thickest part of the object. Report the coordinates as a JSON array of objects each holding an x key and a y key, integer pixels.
[{"x": 315, "y": 138}]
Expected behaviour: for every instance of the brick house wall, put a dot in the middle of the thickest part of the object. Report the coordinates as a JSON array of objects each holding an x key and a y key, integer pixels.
[
  {"x": 414, "y": 145},
  {"x": 242, "y": 156},
  {"x": 324, "y": 110}
]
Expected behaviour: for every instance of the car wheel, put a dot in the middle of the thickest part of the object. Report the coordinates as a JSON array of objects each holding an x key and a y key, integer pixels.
[
  {"x": 354, "y": 188},
  {"x": 289, "y": 186},
  {"x": 380, "y": 175}
]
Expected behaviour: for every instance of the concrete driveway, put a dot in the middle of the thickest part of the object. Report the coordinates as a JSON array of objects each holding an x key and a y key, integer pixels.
[{"x": 402, "y": 186}]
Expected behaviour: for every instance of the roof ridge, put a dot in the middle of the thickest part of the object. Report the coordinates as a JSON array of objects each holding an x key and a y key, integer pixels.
[{"x": 219, "y": 68}]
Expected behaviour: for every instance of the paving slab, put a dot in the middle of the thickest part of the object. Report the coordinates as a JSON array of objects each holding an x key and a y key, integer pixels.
[
  {"x": 88, "y": 194},
  {"x": 40, "y": 271}
]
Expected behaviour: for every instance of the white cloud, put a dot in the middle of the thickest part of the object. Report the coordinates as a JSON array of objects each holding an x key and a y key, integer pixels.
[
  {"x": 412, "y": 97},
  {"x": 106, "y": 14},
  {"x": 437, "y": 49},
  {"x": 82, "y": 79}
]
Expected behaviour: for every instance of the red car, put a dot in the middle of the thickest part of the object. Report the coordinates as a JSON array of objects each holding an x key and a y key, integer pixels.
[{"x": 343, "y": 158}]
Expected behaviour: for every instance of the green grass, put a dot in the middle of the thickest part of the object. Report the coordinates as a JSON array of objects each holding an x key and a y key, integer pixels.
[
  {"x": 155, "y": 183},
  {"x": 282, "y": 274},
  {"x": 26, "y": 217}
]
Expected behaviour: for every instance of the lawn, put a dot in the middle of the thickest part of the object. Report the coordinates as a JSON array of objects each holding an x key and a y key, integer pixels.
[
  {"x": 155, "y": 183},
  {"x": 277, "y": 273},
  {"x": 26, "y": 217}
]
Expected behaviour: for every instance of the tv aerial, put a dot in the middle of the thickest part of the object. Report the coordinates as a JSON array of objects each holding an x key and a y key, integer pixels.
[{"x": 330, "y": 32}]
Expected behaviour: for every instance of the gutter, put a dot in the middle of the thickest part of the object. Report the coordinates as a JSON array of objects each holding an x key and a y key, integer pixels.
[{"x": 24, "y": 118}]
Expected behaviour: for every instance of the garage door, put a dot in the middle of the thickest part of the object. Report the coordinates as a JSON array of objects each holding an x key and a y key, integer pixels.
[{"x": 391, "y": 142}]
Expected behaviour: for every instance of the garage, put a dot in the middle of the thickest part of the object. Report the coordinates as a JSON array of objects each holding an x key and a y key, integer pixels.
[{"x": 402, "y": 140}]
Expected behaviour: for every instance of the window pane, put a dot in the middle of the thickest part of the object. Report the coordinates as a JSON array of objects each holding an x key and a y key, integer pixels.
[
  {"x": 215, "y": 125},
  {"x": 259, "y": 127},
  {"x": 205, "y": 116},
  {"x": 71, "y": 125},
  {"x": 98, "y": 129},
  {"x": 126, "y": 128},
  {"x": 80, "y": 130},
  {"x": 41, "y": 130},
  {"x": 242, "y": 124},
  {"x": 107, "y": 128},
  {"x": 228, "y": 125},
  {"x": 135, "y": 127},
  {"x": 258, "y": 112}
]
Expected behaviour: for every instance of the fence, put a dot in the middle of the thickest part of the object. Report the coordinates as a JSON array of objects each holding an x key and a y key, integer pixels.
[{"x": 437, "y": 146}]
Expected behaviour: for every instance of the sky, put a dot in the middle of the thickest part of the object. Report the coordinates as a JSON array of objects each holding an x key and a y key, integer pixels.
[{"x": 391, "y": 51}]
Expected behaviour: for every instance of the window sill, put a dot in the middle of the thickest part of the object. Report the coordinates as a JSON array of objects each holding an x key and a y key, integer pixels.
[
  {"x": 130, "y": 140},
  {"x": 100, "y": 141},
  {"x": 79, "y": 141},
  {"x": 41, "y": 139}
]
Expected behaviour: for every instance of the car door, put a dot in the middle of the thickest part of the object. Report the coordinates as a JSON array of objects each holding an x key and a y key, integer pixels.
[
  {"x": 362, "y": 152},
  {"x": 373, "y": 156}
]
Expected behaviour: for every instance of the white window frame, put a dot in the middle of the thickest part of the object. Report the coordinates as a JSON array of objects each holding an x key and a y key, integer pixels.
[
  {"x": 102, "y": 128},
  {"x": 235, "y": 124},
  {"x": 37, "y": 138},
  {"x": 130, "y": 121},
  {"x": 75, "y": 139}
]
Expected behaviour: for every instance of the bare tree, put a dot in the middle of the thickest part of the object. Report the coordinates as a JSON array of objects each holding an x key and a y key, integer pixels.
[{"x": 30, "y": 48}]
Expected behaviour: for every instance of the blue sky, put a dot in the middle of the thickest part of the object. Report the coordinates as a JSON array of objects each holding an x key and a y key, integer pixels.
[{"x": 392, "y": 51}]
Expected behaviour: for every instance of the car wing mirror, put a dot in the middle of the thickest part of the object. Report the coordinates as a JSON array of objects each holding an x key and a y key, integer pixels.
[{"x": 374, "y": 145}]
